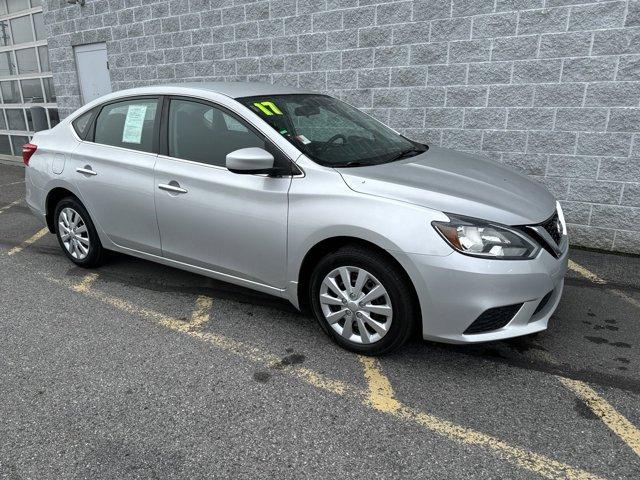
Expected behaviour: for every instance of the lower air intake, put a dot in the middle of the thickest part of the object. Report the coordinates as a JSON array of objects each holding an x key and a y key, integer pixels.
[
  {"x": 493, "y": 319},
  {"x": 543, "y": 303}
]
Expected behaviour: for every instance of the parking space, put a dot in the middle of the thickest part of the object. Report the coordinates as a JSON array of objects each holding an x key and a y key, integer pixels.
[{"x": 137, "y": 370}]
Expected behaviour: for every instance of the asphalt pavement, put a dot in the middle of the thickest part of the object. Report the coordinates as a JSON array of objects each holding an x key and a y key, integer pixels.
[{"x": 136, "y": 370}]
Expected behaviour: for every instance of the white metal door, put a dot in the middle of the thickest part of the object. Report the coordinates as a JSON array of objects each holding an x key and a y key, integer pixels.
[{"x": 93, "y": 70}]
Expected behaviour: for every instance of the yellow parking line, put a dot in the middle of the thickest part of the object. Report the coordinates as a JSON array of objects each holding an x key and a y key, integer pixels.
[
  {"x": 86, "y": 283},
  {"x": 616, "y": 422},
  {"x": 589, "y": 275},
  {"x": 200, "y": 315},
  {"x": 8, "y": 206},
  {"x": 609, "y": 415},
  {"x": 379, "y": 396},
  {"x": 34, "y": 238}
]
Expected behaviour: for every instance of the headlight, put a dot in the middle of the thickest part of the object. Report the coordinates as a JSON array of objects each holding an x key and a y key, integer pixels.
[{"x": 483, "y": 239}]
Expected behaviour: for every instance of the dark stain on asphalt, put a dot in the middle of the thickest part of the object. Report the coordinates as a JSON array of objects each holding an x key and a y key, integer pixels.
[
  {"x": 610, "y": 320},
  {"x": 585, "y": 412},
  {"x": 261, "y": 376},
  {"x": 622, "y": 359},
  {"x": 597, "y": 340},
  {"x": 606, "y": 327},
  {"x": 600, "y": 341},
  {"x": 591, "y": 314},
  {"x": 291, "y": 359}
]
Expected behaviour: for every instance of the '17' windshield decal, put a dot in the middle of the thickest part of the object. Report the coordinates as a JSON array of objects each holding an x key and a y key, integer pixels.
[{"x": 268, "y": 108}]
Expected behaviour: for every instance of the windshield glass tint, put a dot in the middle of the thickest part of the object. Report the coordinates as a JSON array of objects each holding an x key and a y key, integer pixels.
[{"x": 331, "y": 132}]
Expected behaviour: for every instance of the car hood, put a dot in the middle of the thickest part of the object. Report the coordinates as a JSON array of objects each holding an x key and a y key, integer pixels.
[{"x": 453, "y": 182}]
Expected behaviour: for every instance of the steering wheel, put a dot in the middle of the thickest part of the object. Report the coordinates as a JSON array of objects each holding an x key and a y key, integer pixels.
[{"x": 332, "y": 140}]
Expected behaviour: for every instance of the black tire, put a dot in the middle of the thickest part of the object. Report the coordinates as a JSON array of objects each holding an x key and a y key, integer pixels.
[
  {"x": 95, "y": 254},
  {"x": 392, "y": 279}
]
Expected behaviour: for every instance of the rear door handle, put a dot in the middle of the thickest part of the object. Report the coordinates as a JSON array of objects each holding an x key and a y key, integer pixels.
[
  {"x": 86, "y": 170},
  {"x": 172, "y": 188}
]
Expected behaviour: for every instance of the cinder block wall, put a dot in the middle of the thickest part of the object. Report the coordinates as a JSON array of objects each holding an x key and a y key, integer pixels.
[{"x": 550, "y": 87}]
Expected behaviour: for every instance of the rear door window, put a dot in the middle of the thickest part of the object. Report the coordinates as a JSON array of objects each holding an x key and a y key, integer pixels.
[{"x": 128, "y": 124}]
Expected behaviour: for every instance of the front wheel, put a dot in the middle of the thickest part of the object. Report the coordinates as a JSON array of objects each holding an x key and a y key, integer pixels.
[
  {"x": 76, "y": 234},
  {"x": 362, "y": 300}
]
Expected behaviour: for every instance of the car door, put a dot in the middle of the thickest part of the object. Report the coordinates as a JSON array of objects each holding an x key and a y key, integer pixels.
[
  {"x": 208, "y": 216},
  {"x": 113, "y": 171}
]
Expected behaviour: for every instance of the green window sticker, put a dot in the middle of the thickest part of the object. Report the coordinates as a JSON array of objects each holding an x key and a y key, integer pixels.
[
  {"x": 132, "y": 132},
  {"x": 268, "y": 108}
]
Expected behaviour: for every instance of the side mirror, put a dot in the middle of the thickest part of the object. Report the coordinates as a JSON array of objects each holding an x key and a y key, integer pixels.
[{"x": 250, "y": 161}]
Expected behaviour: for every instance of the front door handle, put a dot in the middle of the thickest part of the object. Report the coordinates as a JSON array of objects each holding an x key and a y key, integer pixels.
[
  {"x": 86, "y": 170},
  {"x": 172, "y": 188}
]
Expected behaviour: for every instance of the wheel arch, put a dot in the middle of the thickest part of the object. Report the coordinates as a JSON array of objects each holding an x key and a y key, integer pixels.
[
  {"x": 331, "y": 244},
  {"x": 53, "y": 198}
]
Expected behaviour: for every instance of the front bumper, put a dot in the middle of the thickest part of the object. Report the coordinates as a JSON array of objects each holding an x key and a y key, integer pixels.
[{"x": 456, "y": 289}]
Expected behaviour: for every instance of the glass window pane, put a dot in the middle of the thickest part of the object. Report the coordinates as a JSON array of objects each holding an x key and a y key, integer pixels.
[
  {"x": 15, "y": 117},
  {"x": 4, "y": 30},
  {"x": 3, "y": 124},
  {"x": 81, "y": 123},
  {"x": 127, "y": 124},
  {"x": 7, "y": 64},
  {"x": 18, "y": 142},
  {"x": 201, "y": 133},
  {"x": 43, "y": 51},
  {"x": 17, "y": 5},
  {"x": 32, "y": 91},
  {"x": 21, "y": 30},
  {"x": 54, "y": 117},
  {"x": 10, "y": 92},
  {"x": 3, "y": 7},
  {"x": 27, "y": 60},
  {"x": 5, "y": 148},
  {"x": 38, "y": 23},
  {"x": 49, "y": 92},
  {"x": 36, "y": 3}
]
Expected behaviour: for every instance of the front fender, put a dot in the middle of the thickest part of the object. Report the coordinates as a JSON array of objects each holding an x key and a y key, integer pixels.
[{"x": 322, "y": 206}]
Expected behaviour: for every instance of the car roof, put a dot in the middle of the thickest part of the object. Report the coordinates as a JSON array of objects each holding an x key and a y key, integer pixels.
[
  {"x": 244, "y": 89},
  {"x": 229, "y": 89}
]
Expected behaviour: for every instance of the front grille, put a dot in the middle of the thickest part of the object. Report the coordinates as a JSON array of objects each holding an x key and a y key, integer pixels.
[
  {"x": 551, "y": 226},
  {"x": 543, "y": 303},
  {"x": 493, "y": 319}
]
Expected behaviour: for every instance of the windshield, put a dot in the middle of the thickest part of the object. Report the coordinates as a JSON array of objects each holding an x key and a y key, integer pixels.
[{"x": 331, "y": 132}]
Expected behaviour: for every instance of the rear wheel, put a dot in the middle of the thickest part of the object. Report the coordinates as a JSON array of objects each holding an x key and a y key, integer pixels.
[
  {"x": 76, "y": 233},
  {"x": 362, "y": 300}
]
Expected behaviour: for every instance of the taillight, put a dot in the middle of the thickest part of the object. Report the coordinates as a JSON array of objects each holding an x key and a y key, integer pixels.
[{"x": 28, "y": 149}]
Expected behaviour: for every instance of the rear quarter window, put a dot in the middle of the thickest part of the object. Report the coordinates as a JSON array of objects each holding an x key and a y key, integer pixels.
[{"x": 81, "y": 124}]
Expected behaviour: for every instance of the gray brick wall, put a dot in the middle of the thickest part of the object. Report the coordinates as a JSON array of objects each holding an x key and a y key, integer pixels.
[{"x": 549, "y": 87}]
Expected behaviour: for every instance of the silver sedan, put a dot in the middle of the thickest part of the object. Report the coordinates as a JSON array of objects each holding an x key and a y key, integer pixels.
[{"x": 302, "y": 196}]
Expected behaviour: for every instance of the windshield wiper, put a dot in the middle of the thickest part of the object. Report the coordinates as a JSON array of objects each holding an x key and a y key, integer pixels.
[
  {"x": 355, "y": 163},
  {"x": 411, "y": 152}
]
